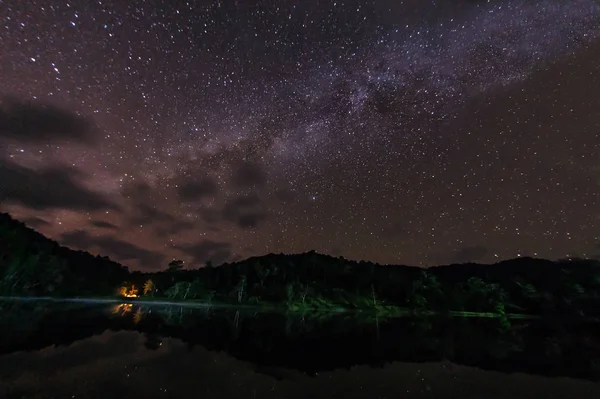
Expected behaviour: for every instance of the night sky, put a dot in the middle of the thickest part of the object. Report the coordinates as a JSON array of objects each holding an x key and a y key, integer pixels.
[{"x": 415, "y": 132}]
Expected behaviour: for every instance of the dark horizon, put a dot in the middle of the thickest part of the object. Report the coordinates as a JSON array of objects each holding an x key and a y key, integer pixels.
[
  {"x": 412, "y": 133},
  {"x": 34, "y": 266},
  {"x": 198, "y": 265}
]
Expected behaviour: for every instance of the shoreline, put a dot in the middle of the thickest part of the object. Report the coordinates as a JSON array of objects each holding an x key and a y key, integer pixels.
[{"x": 397, "y": 312}]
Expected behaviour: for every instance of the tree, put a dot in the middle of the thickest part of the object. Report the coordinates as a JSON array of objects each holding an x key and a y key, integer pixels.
[
  {"x": 261, "y": 272},
  {"x": 175, "y": 266},
  {"x": 240, "y": 288},
  {"x": 290, "y": 293},
  {"x": 173, "y": 292},
  {"x": 149, "y": 288},
  {"x": 303, "y": 291},
  {"x": 424, "y": 291},
  {"x": 482, "y": 295},
  {"x": 181, "y": 290},
  {"x": 373, "y": 295}
]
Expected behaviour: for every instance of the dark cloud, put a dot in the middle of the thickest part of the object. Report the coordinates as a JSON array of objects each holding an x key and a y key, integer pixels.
[
  {"x": 203, "y": 251},
  {"x": 120, "y": 250},
  {"x": 41, "y": 123},
  {"x": 245, "y": 201},
  {"x": 103, "y": 225},
  {"x": 161, "y": 232},
  {"x": 209, "y": 215},
  {"x": 137, "y": 192},
  {"x": 469, "y": 254},
  {"x": 248, "y": 174},
  {"x": 36, "y": 222},
  {"x": 76, "y": 239},
  {"x": 143, "y": 210},
  {"x": 174, "y": 228},
  {"x": 182, "y": 225},
  {"x": 251, "y": 220},
  {"x": 52, "y": 188},
  {"x": 146, "y": 214},
  {"x": 195, "y": 190},
  {"x": 245, "y": 211},
  {"x": 125, "y": 251}
]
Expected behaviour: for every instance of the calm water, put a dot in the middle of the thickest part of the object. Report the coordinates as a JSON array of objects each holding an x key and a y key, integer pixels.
[{"x": 66, "y": 350}]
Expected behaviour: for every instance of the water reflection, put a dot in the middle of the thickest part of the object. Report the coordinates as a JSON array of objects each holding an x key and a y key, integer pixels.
[
  {"x": 122, "y": 308},
  {"x": 279, "y": 350}
]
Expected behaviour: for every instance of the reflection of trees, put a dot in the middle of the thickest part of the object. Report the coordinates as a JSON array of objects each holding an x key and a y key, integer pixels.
[
  {"x": 333, "y": 342},
  {"x": 26, "y": 325},
  {"x": 153, "y": 341},
  {"x": 122, "y": 308},
  {"x": 137, "y": 317},
  {"x": 316, "y": 344}
]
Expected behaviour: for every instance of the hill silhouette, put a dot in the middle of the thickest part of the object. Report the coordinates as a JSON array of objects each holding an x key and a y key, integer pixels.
[{"x": 32, "y": 264}]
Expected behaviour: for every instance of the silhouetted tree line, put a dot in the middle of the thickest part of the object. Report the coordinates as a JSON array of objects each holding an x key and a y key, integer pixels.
[{"x": 31, "y": 264}]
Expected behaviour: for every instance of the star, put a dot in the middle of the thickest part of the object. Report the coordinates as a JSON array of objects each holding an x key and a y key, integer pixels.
[{"x": 394, "y": 132}]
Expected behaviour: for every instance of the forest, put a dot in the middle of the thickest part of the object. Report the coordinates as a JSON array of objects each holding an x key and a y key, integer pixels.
[{"x": 33, "y": 265}]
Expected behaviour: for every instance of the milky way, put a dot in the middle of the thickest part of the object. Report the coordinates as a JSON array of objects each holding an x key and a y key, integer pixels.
[{"x": 399, "y": 132}]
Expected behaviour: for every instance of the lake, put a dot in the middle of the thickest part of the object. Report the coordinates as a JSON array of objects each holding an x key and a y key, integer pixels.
[{"x": 51, "y": 349}]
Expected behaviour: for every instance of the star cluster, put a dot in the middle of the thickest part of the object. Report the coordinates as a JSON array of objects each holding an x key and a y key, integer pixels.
[{"x": 399, "y": 132}]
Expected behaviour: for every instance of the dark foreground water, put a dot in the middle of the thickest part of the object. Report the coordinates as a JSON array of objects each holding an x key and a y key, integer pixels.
[{"x": 79, "y": 350}]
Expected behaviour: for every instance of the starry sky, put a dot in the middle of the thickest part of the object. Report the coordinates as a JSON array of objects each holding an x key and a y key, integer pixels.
[{"x": 413, "y": 132}]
